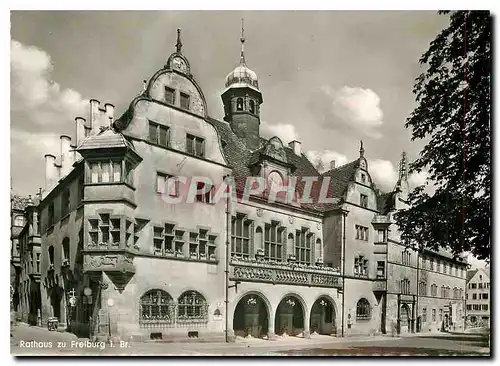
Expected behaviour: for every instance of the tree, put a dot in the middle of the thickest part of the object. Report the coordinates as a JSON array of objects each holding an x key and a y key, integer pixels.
[{"x": 453, "y": 116}]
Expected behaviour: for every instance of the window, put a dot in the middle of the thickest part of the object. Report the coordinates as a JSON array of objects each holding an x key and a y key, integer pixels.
[
  {"x": 185, "y": 101},
  {"x": 19, "y": 221},
  {"x": 476, "y": 307},
  {"x": 363, "y": 178},
  {"x": 192, "y": 306},
  {"x": 240, "y": 236},
  {"x": 37, "y": 262},
  {"x": 157, "y": 305},
  {"x": 473, "y": 285},
  {"x": 424, "y": 263},
  {"x": 252, "y": 106},
  {"x": 424, "y": 315},
  {"x": 179, "y": 242},
  {"x": 105, "y": 230},
  {"x": 303, "y": 246},
  {"x": 195, "y": 146},
  {"x": 445, "y": 268},
  {"x": 405, "y": 286},
  {"x": 363, "y": 310},
  {"x": 204, "y": 197},
  {"x": 406, "y": 257},
  {"x": 422, "y": 290},
  {"x": 474, "y": 296},
  {"x": 485, "y": 307},
  {"x": 81, "y": 189},
  {"x": 469, "y": 307},
  {"x": 484, "y": 296},
  {"x": 167, "y": 184},
  {"x": 65, "y": 203},
  {"x": 361, "y": 266},
  {"x": 158, "y": 134},
  {"x": 438, "y": 265},
  {"x": 456, "y": 271},
  {"x": 480, "y": 285},
  {"x": 432, "y": 264},
  {"x": 51, "y": 215},
  {"x": 273, "y": 241},
  {"x": 169, "y": 95},
  {"x": 65, "y": 249},
  {"x": 239, "y": 104},
  {"x": 361, "y": 232},
  {"x": 380, "y": 269},
  {"x": 51, "y": 255},
  {"x": 382, "y": 236},
  {"x": 129, "y": 173},
  {"x": 434, "y": 315},
  {"x": 440, "y": 315},
  {"x": 105, "y": 172},
  {"x": 363, "y": 199}
]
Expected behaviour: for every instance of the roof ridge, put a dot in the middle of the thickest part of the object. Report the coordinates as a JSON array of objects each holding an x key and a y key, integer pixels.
[{"x": 341, "y": 166}]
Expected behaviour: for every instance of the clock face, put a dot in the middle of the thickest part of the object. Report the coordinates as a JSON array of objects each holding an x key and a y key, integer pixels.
[
  {"x": 179, "y": 64},
  {"x": 274, "y": 181}
]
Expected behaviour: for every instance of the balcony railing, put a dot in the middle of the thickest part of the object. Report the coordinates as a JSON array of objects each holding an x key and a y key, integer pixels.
[{"x": 284, "y": 273}]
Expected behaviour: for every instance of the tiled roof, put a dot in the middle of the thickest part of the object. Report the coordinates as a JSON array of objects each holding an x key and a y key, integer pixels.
[
  {"x": 106, "y": 139},
  {"x": 341, "y": 176},
  {"x": 470, "y": 274},
  {"x": 239, "y": 158}
]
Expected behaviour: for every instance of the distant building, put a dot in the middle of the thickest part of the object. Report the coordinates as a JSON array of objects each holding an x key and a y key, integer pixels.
[
  {"x": 478, "y": 297},
  {"x": 116, "y": 255}
]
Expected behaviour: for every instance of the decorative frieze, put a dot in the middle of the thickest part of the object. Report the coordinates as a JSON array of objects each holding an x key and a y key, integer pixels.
[{"x": 284, "y": 273}]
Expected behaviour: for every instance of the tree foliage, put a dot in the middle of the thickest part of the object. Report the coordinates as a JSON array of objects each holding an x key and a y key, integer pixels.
[{"x": 453, "y": 116}]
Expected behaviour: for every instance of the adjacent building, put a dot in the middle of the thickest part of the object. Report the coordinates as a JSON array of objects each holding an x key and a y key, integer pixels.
[
  {"x": 478, "y": 298},
  {"x": 134, "y": 242}
]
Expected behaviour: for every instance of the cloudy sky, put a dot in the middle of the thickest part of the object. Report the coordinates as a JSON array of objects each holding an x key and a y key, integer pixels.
[{"x": 328, "y": 79}]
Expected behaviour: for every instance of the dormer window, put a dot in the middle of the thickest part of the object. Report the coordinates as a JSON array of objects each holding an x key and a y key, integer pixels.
[
  {"x": 169, "y": 95},
  {"x": 252, "y": 106},
  {"x": 363, "y": 178},
  {"x": 185, "y": 101},
  {"x": 239, "y": 104}
]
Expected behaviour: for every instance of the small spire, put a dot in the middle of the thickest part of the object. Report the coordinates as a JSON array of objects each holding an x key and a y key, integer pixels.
[
  {"x": 242, "y": 40},
  {"x": 361, "y": 150},
  {"x": 403, "y": 169},
  {"x": 178, "y": 45}
]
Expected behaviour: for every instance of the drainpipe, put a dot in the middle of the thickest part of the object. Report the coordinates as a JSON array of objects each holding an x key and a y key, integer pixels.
[
  {"x": 417, "y": 329},
  {"x": 344, "y": 215},
  {"x": 228, "y": 241}
]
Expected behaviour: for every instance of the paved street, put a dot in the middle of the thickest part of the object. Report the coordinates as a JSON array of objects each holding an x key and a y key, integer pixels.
[{"x": 29, "y": 340}]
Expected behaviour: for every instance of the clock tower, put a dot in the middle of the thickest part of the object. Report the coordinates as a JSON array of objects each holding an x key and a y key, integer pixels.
[{"x": 242, "y": 99}]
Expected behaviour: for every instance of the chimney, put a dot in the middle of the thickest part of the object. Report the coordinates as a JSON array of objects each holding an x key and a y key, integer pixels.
[
  {"x": 66, "y": 155},
  {"x": 332, "y": 164},
  {"x": 94, "y": 116},
  {"x": 109, "y": 110},
  {"x": 295, "y": 146},
  {"x": 80, "y": 128},
  {"x": 50, "y": 172}
]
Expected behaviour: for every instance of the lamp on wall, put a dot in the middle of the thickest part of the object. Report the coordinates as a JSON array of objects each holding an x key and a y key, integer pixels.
[
  {"x": 252, "y": 301},
  {"x": 290, "y": 302}
]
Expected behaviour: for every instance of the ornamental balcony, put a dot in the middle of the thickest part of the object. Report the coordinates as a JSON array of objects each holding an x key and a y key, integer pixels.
[{"x": 277, "y": 272}]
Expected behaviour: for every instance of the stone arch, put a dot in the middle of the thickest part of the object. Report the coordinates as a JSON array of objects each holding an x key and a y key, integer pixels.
[
  {"x": 291, "y": 319},
  {"x": 251, "y": 315},
  {"x": 323, "y": 319}
]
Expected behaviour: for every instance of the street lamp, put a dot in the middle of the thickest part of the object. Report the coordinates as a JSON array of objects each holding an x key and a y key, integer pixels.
[{"x": 111, "y": 302}]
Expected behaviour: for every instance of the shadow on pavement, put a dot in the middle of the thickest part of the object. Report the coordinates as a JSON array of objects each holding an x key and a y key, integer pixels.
[
  {"x": 384, "y": 351},
  {"x": 476, "y": 340}
]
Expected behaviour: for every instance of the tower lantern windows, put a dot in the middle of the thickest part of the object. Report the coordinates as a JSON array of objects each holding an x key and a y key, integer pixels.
[
  {"x": 239, "y": 104},
  {"x": 252, "y": 106}
]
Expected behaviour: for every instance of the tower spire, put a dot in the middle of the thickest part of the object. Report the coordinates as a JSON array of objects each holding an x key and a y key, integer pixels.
[
  {"x": 178, "y": 45},
  {"x": 361, "y": 149},
  {"x": 242, "y": 40},
  {"x": 403, "y": 170}
]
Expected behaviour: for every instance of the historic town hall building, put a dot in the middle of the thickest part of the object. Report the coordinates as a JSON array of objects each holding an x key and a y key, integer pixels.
[{"x": 112, "y": 247}]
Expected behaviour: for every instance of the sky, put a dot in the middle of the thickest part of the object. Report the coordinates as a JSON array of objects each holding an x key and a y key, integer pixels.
[{"x": 328, "y": 78}]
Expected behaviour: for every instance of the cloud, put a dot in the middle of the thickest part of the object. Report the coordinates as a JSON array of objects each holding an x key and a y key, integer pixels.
[
  {"x": 383, "y": 173},
  {"x": 351, "y": 110},
  {"x": 285, "y": 132},
  {"x": 35, "y": 94},
  {"x": 41, "y": 110},
  {"x": 326, "y": 156}
]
